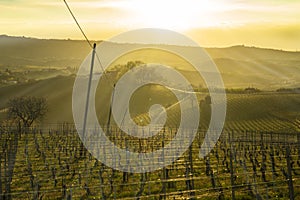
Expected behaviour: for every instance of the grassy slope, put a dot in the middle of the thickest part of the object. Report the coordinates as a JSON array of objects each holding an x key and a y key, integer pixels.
[
  {"x": 240, "y": 66},
  {"x": 271, "y": 111},
  {"x": 28, "y": 51},
  {"x": 58, "y": 92}
]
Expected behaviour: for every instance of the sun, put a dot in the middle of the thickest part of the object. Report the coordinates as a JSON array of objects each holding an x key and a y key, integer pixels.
[{"x": 173, "y": 14}]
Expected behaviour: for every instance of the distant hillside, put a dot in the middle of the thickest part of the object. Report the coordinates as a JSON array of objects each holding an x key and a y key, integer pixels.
[
  {"x": 40, "y": 52},
  {"x": 240, "y": 66},
  {"x": 260, "y": 111},
  {"x": 58, "y": 92}
]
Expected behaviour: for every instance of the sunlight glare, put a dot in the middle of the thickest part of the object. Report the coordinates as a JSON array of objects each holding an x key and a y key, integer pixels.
[{"x": 174, "y": 14}]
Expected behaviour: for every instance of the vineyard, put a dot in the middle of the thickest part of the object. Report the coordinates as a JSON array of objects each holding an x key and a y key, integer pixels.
[
  {"x": 62, "y": 105},
  {"x": 53, "y": 164},
  {"x": 268, "y": 111},
  {"x": 256, "y": 157}
]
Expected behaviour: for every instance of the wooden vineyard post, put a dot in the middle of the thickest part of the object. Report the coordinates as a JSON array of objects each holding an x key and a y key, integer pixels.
[
  {"x": 290, "y": 178},
  {"x": 125, "y": 174},
  {"x": 143, "y": 180},
  {"x": 263, "y": 167},
  {"x": 272, "y": 155},
  {"x": 1, "y": 193},
  {"x": 246, "y": 173},
  {"x": 263, "y": 158},
  {"x": 298, "y": 142},
  {"x": 101, "y": 171},
  {"x": 69, "y": 196},
  {"x": 11, "y": 145},
  {"x": 231, "y": 169},
  {"x": 189, "y": 181},
  {"x": 192, "y": 194},
  {"x": 164, "y": 169},
  {"x": 142, "y": 177}
]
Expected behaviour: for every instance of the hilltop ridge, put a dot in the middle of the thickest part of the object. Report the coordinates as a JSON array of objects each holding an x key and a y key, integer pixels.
[{"x": 240, "y": 66}]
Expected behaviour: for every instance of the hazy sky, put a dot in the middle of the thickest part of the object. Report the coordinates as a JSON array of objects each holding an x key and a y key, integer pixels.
[{"x": 264, "y": 23}]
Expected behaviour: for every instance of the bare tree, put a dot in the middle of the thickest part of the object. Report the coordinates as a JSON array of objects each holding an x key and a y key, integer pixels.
[
  {"x": 24, "y": 111},
  {"x": 27, "y": 109}
]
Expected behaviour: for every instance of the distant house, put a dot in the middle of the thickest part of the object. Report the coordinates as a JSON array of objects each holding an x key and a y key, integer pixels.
[
  {"x": 12, "y": 82},
  {"x": 251, "y": 90}
]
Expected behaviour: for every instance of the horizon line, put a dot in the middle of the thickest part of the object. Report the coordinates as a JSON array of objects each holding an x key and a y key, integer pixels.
[{"x": 205, "y": 47}]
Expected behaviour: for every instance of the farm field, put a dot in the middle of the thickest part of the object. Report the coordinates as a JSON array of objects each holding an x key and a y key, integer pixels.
[
  {"x": 53, "y": 164},
  {"x": 272, "y": 111},
  {"x": 256, "y": 157}
]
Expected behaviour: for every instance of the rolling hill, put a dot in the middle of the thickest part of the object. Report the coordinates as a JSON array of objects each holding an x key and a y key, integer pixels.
[
  {"x": 240, "y": 66},
  {"x": 272, "y": 111}
]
